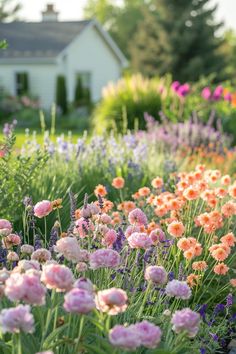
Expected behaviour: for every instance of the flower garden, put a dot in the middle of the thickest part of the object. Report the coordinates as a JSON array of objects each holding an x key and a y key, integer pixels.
[{"x": 123, "y": 242}]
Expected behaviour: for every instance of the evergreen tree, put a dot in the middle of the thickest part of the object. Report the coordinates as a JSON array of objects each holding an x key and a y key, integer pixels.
[
  {"x": 191, "y": 48},
  {"x": 79, "y": 93},
  {"x": 61, "y": 94},
  {"x": 9, "y": 10}
]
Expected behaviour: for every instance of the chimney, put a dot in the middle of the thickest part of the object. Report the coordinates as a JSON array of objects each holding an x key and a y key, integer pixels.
[{"x": 49, "y": 15}]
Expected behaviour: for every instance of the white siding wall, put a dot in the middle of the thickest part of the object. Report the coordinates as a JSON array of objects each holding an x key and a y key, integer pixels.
[
  {"x": 41, "y": 80},
  {"x": 90, "y": 53}
]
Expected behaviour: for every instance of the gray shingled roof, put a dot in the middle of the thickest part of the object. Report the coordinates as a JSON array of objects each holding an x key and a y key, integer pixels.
[{"x": 38, "y": 39}]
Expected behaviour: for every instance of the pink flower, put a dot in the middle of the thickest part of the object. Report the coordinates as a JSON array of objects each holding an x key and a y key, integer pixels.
[
  {"x": 89, "y": 210},
  {"x": 104, "y": 258},
  {"x": 11, "y": 240},
  {"x": 137, "y": 217},
  {"x": 4, "y": 275},
  {"x": 69, "y": 248},
  {"x": 156, "y": 236},
  {"x": 84, "y": 284},
  {"x": 25, "y": 265},
  {"x": 130, "y": 230},
  {"x": 41, "y": 255},
  {"x": 81, "y": 267},
  {"x": 112, "y": 301},
  {"x": 82, "y": 227},
  {"x": 175, "y": 85},
  {"x": 178, "y": 289},
  {"x": 56, "y": 276},
  {"x": 5, "y": 224},
  {"x": 17, "y": 319},
  {"x": 149, "y": 334},
  {"x": 139, "y": 240},
  {"x": 25, "y": 287},
  {"x": 217, "y": 94},
  {"x": 43, "y": 208},
  {"x": 186, "y": 320},
  {"x": 27, "y": 249},
  {"x": 124, "y": 337},
  {"x": 105, "y": 219},
  {"x": 79, "y": 301},
  {"x": 12, "y": 257},
  {"x": 156, "y": 274},
  {"x": 109, "y": 238},
  {"x": 206, "y": 93}
]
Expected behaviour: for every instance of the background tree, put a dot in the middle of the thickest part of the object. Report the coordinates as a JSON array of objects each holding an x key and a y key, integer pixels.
[
  {"x": 9, "y": 10},
  {"x": 102, "y": 10},
  {"x": 61, "y": 94},
  {"x": 190, "y": 29}
]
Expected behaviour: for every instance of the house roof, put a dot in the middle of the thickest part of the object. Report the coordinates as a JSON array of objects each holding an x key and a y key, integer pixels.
[
  {"x": 38, "y": 39},
  {"x": 44, "y": 41}
]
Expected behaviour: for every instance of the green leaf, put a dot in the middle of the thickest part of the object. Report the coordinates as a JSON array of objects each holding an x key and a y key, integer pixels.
[{"x": 52, "y": 336}]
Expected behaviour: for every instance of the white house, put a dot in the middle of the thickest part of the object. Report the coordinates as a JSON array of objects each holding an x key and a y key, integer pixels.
[{"x": 43, "y": 50}]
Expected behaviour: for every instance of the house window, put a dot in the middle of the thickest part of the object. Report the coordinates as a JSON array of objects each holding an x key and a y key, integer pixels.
[{"x": 21, "y": 83}]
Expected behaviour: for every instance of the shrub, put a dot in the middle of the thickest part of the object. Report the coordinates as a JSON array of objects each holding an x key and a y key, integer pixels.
[
  {"x": 124, "y": 103},
  {"x": 61, "y": 94}
]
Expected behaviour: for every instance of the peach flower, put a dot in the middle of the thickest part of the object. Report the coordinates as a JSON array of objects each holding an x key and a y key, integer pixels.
[
  {"x": 176, "y": 229},
  {"x": 118, "y": 182}
]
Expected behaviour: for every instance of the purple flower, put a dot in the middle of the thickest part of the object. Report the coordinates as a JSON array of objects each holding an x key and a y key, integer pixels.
[{"x": 186, "y": 320}]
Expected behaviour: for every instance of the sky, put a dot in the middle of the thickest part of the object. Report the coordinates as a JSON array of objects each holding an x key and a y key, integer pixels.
[{"x": 72, "y": 10}]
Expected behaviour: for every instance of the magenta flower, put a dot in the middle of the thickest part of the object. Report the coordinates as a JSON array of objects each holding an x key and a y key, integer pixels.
[
  {"x": 156, "y": 274},
  {"x": 175, "y": 85},
  {"x": 183, "y": 90},
  {"x": 107, "y": 258},
  {"x": 186, "y": 320},
  {"x": 217, "y": 94},
  {"x": 178, "y": 289},
  {"x": 228, "y": 97},
  {"x": 17, "y": 319},
  {"x": 79, "y": 301}
]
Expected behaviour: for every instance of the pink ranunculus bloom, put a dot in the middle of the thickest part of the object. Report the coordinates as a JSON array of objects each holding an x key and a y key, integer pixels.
[
  {"x": 43, "y": 208},
  {"x": 156, "y": 236},
  {"x": 5, "y": 224},
  {"x": 17, "y": 319},
  {"x": 25, "y": 287},
  {"x": 11, "y": 240},
  {"x": 25, "y": 264},
  {"x": 206, "y": 93},
  {"x": 156, "y": 274},
  {"x": 104, "y": 258},
  {"x": 178, "y": 289},
  {"x": 79, "y": 301},
  {"x": 41, "y": 255},
  {"x": 81, "y": 267},
  {"x": 69, "y": 248},
  {"x": 12, "y": 257},
  {"x": 112, "y": 301},
  {"x": 149, "y": 334},
  {"x": 105, "y": 219},
  {"x": 137, "y": 217},
  {"x": 124, "y": 337},
  {"x": 89, "y": 210},
  {"x": 5, "y": 232},
  {"x": 27, "y": 249},
  {"x": 186, "y": 320},
  {"x": 109, "y": 238},
  {"x": 84, "y": 284},
  {"x": 139, "y": 240},
  {"x": 84, "y": 256},
  {"x": 56, "y": 276},
  {"x": 82, "y": 227},
  {"x": 4, "y": 275}
]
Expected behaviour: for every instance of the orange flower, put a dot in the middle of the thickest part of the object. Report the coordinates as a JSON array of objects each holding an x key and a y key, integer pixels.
[
  {"x": 183, "y": 244},
  {"x": 226, "y": 180},
  {"x": 144, "y": 191},
  {"x": 219, "y": 254},
  {"x": 161, "y": 211},
  {"x": 233, "y": 282},
  {"x": 221, "y": 192},
  {"x": 191, "y": 193},
  {"x": 228, "y": 209},
  {"x": 229, "y": 239},
  {"x": 189, "y": 254},
  {"x": 157, "y": 182},
  {"x": 118, "y": 182},
  {"x": 176, "y": 229},
  {"x": 221, "y": 269},
  {"x": 201, "y": 265},
  {"x": 129, "y": 206},
  {"x": 197, "y": 249},
  {"x": 193, "y": 279},
  {"x": 78, "y": 214},
  {"x": 100, "y": 190},
  {"x": 232, "y": 190},
  {"x": 136, "y": 195}
]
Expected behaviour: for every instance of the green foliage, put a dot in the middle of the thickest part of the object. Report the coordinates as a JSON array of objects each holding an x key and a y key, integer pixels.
[
  {"x": 16, "y": 176},
  {"x": 189, "y": 29},
  {"x": 61, "y": 94},
  {"x": 3, "y": 44},
  {"x": 125, "y": 103},
  {"x": 79, "y": 93}
]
